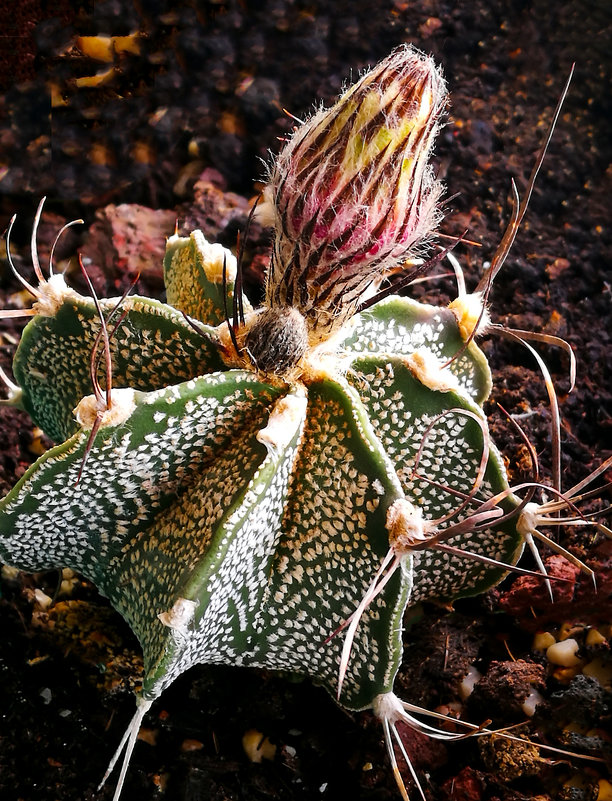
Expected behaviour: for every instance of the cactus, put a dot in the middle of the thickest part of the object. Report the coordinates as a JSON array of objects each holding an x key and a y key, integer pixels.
[{"x": 245, "y": 485}]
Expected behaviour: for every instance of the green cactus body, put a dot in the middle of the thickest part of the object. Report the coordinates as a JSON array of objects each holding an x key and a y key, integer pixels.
[
  {"x": 262, "y": 504},
  {"x": 238, "y": 515},
  {"x": 154, "y": 347}
]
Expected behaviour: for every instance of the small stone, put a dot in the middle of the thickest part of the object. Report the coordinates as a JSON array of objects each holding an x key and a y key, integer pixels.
[
  {"x": 466, "y": 688},
  {"x": 595, "y": 637},
  {"x": 568, "y": 630},
  {"x": 531, "y": 702},
  {"x": 564, "y": 675},
  {"x": 564, "y": 653},
  {"x": 599, "y": 669},
  {"x": 604, "y": 790},
  {"x": 257, "y": 747},
  {"x": 9, "y": 573},
  {"x": 466, "y": 786},
  {"x": 46, "y": 695},
  {"x": 43, "y": 601},
  {"x": 37, "y": 446},
  {"x": 542, "y": 641},
  {"x": 148, "y": 736},
  {"x": 510, "y": 759},
  {"x": 190, "y": 744}
]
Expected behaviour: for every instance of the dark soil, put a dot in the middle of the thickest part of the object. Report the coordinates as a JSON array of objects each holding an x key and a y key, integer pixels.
[{"x": 206, "y": 93}]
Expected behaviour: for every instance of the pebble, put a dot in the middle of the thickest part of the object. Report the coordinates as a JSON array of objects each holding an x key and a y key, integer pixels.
[
  {"x": 601, "y": 670},
  {"x": 595, "y": 637},
  {"x": 564, "y": 653},
  {"x": 257, "y": 747},
  {"x": 466, "y": 688},
  {"x": 530, "y": 703},
  {"x": 542, "y": 641},
  {"x": 604, "y": 792}
]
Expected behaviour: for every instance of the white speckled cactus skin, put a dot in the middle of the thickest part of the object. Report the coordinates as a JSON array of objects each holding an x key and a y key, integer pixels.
[
  {"x": 275, "y": 537},
  {"x": 238, "y": 515}
]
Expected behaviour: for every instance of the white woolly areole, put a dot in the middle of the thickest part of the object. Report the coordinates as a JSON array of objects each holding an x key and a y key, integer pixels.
[
  {"x": 528, "y": 519},
  {"x": 180, "y": 616},
  {"x": 387, "y": 706},
  {"x": 53, "y": 293},
  {"x": 405, "y": 525},
  {"x": 285, "y": 417},
  {"x": 89, "y": 409},
  {"x": 467, "y": 309},
  {"x": 213, "y": 255},
  {"x": 427, "y": 368}
]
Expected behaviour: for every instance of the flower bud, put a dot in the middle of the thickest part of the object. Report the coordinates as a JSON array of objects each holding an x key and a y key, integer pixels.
[{"x": 353, "y": 193}]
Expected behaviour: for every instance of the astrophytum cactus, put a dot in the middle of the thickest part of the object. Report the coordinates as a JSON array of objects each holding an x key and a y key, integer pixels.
[{"x": 272, "y": 487}]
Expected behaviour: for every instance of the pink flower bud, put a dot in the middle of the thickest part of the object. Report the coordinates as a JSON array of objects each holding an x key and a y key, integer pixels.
[{"x": 353, "y": 192}]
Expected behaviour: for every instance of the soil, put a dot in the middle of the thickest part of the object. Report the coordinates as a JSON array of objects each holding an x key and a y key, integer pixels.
[{"x": 180, "y": 128}]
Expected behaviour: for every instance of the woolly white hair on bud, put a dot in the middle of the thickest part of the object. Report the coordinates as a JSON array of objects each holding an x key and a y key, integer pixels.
[
  {"x": 353, "y": 191},
  {"x": 406, "y": 525},
  {"x": 472, "y": 315},
  {"x": 51, "y": 292},
  {"x": 389, "y": 709}
]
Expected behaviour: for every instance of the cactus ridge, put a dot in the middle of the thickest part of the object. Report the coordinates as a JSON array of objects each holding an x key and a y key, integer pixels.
[{"x": 271, "y": 497}]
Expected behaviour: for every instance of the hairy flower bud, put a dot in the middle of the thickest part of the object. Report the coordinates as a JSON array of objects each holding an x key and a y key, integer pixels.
[{"x": 353, "y": 192}]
